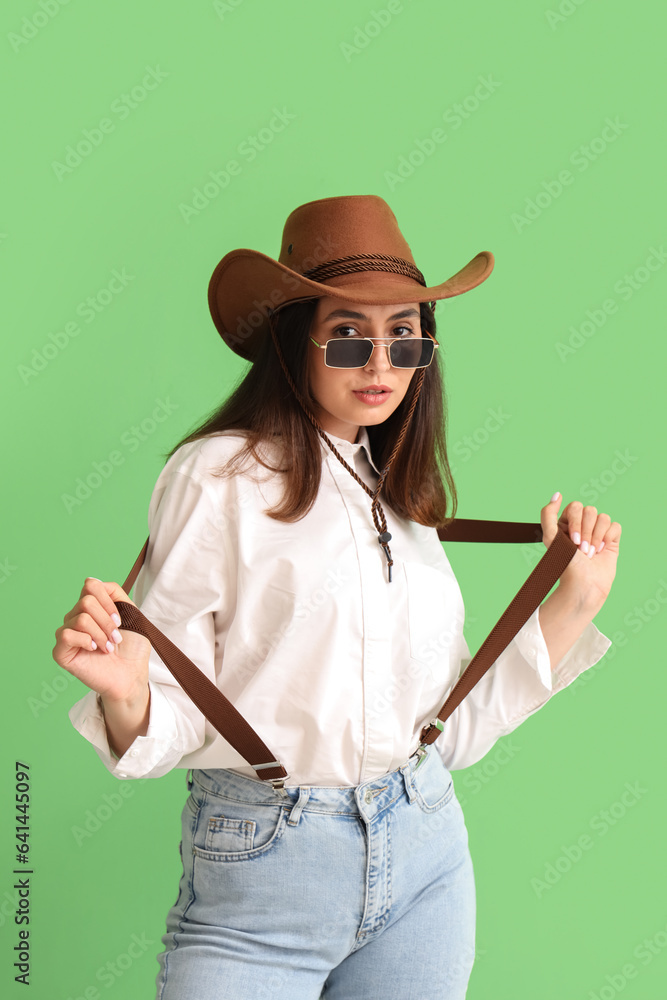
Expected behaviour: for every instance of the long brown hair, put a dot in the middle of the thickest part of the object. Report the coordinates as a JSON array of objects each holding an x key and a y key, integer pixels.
[{"x": 419, "y": 484}]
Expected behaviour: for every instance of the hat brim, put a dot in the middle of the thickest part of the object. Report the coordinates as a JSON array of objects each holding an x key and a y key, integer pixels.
[{"x": 246, "y": 283}]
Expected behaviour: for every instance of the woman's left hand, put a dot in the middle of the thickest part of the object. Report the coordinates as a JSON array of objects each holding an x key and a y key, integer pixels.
[{"x": 589, "y": 575}]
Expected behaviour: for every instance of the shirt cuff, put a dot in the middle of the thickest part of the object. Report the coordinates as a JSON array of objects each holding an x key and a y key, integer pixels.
[
  {"x": 584, "y": 653},
  {"x": 148, "y": 756}
]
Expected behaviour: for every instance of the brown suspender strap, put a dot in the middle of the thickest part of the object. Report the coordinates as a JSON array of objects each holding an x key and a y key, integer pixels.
[
  {"x": 233, "y": 727},
  {"x": 134, "y": 572},
  {"x": 463, "y": 529},
  {"x": 515, "y": 615},
  {"x": 206, "y": 696}
]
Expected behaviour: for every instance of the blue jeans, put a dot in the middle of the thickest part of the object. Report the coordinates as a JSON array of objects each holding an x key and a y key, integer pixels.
[{"x": 337, "y": 892}]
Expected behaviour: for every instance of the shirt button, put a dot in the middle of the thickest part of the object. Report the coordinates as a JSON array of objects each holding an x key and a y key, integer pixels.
[
  {"x": 134, "y": 753},
  {"x": 121, "y": 775},
  {"x": 368, "y": 797}
]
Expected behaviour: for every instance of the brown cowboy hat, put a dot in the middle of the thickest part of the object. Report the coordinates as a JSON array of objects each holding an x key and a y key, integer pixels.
[{"x": 347, "y": 247}]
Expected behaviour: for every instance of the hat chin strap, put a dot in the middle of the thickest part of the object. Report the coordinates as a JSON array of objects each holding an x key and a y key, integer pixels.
[{"x": 379, "y": 519}]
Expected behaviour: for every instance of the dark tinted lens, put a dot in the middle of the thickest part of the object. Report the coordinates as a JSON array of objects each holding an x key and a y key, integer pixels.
[
  {"x": 348, "y": 353},
  {"x": 413, "y": 352}
]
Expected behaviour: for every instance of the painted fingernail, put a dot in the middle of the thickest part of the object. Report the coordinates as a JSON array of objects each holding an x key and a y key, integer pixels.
[
  {"x": 576, "y": 537},
  {"x": 110, "y": 646},
  {"x": 600, "y": 547},
  {"x": 115, "y": 618},
  {"x": 554, "y": 497},
  {"x": 116, "y": 636},
  {"x": 591, "y": 551},
  {"x": 584, "y": 546},
  {"x": 93, "y": 644}
]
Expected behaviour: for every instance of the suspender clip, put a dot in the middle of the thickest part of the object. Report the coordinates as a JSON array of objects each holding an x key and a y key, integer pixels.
[
  {"x": 278, "y": 784},
  {"x": 420, "y": 753}
]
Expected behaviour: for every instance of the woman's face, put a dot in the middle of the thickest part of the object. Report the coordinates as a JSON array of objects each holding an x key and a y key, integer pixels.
[{"x": 342, "y": 405}]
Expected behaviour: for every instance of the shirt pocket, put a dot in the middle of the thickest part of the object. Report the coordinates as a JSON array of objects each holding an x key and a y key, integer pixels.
[{"x": 435, "y": 616}]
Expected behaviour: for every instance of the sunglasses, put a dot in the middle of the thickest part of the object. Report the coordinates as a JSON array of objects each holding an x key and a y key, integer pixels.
[{"x": 412, "y": 352}]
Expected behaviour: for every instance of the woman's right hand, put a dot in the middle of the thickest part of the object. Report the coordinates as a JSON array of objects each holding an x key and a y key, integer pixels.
[{"x": 119, "y": 674}]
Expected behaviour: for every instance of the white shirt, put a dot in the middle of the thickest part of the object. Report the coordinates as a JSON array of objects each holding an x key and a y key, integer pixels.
[{"x": 335, "y": 668}]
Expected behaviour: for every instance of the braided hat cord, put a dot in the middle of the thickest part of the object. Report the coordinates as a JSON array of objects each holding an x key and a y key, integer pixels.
[
  {"x": 365, "y": 262},
  {"x": 379, "y": 519}
]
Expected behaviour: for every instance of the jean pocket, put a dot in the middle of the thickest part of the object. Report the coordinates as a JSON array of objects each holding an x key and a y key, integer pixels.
[
  {"x": 432, "y": 783},
  {"x": 229, "y": 830},
  {"x": 225, "y": 835}
]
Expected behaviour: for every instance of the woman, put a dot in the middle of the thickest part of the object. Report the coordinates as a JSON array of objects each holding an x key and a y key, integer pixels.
[{"x": 333, "y": 622}]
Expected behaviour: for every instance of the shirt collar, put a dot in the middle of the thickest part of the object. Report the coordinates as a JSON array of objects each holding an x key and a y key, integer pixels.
[{"x": 349, "y": 449}]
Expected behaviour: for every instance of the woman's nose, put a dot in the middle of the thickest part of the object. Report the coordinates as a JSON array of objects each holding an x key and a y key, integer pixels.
[{"x": 379, "y": 359}]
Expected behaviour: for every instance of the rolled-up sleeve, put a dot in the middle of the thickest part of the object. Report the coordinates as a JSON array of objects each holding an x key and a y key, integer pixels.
[
  {"x": 184, "y": 588},
  {"x": 518, "y": 683}
]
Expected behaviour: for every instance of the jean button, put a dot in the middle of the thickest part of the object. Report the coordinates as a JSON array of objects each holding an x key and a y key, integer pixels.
[{"x": 368, "y": 797}]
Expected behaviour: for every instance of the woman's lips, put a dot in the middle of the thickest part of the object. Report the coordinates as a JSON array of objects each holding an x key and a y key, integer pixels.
[{"x": 373, "y": 395}]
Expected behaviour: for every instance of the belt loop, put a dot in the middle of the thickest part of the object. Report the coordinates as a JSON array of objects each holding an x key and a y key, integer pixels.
[
  {"x": 188, "y": 778},
  {"x": 297, "y": 808}
]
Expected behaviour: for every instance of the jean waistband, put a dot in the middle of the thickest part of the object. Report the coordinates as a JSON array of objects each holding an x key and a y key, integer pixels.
[{"x": 366, "y": 799}]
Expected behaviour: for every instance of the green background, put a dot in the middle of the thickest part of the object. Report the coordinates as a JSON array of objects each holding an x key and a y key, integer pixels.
[{"x": 361, "y": 100}]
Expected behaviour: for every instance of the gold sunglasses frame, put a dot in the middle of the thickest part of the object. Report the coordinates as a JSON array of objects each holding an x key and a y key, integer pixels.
[{"x": 372, "y": 340}]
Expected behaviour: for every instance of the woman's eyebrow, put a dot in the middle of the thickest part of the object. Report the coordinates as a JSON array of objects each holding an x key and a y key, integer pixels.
[{"x": 348, "y": 314}]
